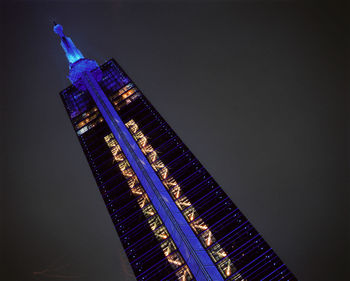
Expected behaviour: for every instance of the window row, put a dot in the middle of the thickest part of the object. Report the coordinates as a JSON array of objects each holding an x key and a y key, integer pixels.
[{"x": 154, "y": 222}]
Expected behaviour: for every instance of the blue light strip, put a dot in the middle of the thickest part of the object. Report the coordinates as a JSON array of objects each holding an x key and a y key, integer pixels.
[{"x": 198, "y": 260}]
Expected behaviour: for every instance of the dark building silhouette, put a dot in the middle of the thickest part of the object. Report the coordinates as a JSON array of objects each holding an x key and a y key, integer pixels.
[{"x": 174, "y": 221}]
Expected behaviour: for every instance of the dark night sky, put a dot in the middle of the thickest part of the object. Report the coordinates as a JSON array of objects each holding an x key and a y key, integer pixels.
[{"x": 256, "y": 90}]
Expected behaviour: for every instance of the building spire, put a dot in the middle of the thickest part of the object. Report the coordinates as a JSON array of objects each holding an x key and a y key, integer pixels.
[{"x": 72, "y": 52}]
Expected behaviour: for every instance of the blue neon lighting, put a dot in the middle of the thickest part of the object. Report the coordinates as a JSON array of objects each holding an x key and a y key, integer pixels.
[
  {"x": 197, "y": 259},
  {"x": 72, "y": 52},
  {"x": 77, "y": 63}
]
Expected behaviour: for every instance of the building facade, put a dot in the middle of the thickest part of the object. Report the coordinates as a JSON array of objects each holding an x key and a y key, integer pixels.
[{"x": 174, "y": 221}]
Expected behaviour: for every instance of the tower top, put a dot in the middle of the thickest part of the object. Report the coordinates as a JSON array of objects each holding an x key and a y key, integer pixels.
[
  {"x": 72, "y": 52},
  {"x": 78, "y": 65}
]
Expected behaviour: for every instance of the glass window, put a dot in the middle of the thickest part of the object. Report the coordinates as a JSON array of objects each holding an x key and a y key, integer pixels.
[
  {"x": 190, "y": 213},
  {"x": 168, "y": 247},
  {"x": 175, "y": 260},
  {"x": 132, "y": 181},
  {"x": 184, "y": 274},
  {"x": 176, "y": 192},
  {"x": 148, "y": 211},
  {"x": 170, "y": 182},
  {"x": 207, "y": 238},
  {"x": 143, "y": 200},
  {"x": 226, "y": 267},
  {"x": 154, "y": 222},
  {"x": 183, "y": 202},
  {"x": 198, "y": 226},
  {"x": 137, "y": 190},
  {"x": 217, "y": 252},
  {"x": 161, "y": 233}
]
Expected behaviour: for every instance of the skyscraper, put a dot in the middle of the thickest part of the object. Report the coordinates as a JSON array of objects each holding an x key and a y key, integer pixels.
[{"x": 174, "y": 221}]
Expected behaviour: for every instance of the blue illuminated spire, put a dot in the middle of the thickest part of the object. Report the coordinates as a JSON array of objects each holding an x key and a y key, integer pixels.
[
  {"x": 72, "y": 52},
  {"x": 78, "y": 65}
]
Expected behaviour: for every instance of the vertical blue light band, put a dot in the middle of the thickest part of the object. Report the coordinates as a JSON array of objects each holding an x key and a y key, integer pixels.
[{"x": 196, "y": 257}]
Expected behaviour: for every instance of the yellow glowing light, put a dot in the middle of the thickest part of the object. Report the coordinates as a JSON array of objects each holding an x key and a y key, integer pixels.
[
  {"x": 162, "y": 171},
  {"x": 123, "y": 165},
  {"x": 116, "y": 149},
  {"x": 143, "y": 202},
  {"x": 173, "y": 260},
  {"x": 147, "y": 149},
  {"x": 167, "y": 251},
  {"x": 176, "y": 191},
  {"x": 228, "y": 269},
  {"x": 158, "y": 165},
  {"x": 163, "y": 235},
  {"x": 142, "y": 142},
  {"x": 132, "y": 181},
  {"x": 209, "y": 239},
  {"x": 119, "y": 157},
  {"x": 128, "y": 173},
  {"x": 139, "y": 135},
  {"x": 136, "y": 191},
  {"x": 169, "y": 182},
  {"x": 134, "y": 129},
  {"x": 201, "y": 227},
  {"x": 183, "y": 203},
  {"x": 152, "y": 156},
  {"x": 191, "y": 216}
]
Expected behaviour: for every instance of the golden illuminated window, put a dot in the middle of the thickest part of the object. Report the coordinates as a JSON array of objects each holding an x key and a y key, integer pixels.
[
  {"x": 133, "y": 128},
  {"x": 147, "y": 149},
  {"x": 226, "y": 267},
  {"x": 190, "y": 213},
  {"x": 183, "y": 202},
  {"x": 138, "y": 135},
  {"x": 207, "y": 238},
  {"x": 154, "y": 222},
  {"x": 128, "y": 93},
  {"x": 132, "y": 181},
  {"x": 161, "y": 233},
  {"x": 130, "y": 123},
  {"x": 168, "y": 247},
  {"x": 198, "y": 226},
  {"x": 142, "y": 142},
  {"x": 176, "y": 192},
  {"x": 118, "y": 157},
  {"x": 148, "y": 211},
  {"x": 143, "y": 200},
  {"x": 86, "y": 120},
  {"x": 152, "y": 156},
  {"x": 128, "y": 172},
  {"x": 123, "y": 165},
  {"x": 158, "y": 165},
  {"x": 163, "y": 173},
  {"x": 217, "y": 252},
  {"x": 175, "y": 260},
  {"x": 169, "y": 182},
  {"x": 184, "y": 274},
  {"x": 137, "y": 190}
]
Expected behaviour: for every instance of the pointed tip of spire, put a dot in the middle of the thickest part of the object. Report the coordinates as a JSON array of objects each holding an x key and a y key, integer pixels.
[{"x": 58, "y": 29}]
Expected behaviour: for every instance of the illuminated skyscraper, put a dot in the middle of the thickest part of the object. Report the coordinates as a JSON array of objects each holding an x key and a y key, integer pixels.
[{"x": 174, "y": 221}]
